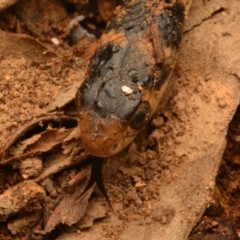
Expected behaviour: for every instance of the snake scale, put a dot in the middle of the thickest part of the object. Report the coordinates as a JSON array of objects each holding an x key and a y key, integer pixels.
[{"x": 128, "y": 75}]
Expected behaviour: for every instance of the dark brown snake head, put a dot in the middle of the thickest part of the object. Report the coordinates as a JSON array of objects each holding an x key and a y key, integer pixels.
[{"x": 128, "y": 74}]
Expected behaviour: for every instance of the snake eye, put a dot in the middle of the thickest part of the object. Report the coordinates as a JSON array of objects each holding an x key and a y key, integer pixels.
[{"x": 141, "y": 116}]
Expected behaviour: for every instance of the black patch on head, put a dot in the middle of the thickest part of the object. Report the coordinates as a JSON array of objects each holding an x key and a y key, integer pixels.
[
  {"x": 101, "y": 57},
  {"x": 171, "y": 22},
  {"x": 106, "y": 54}
]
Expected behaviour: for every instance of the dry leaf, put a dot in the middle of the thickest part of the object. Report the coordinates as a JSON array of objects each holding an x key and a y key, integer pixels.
[{"x": 71, "y": 209}]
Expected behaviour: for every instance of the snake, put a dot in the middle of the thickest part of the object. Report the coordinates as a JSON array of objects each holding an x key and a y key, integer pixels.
[{"x": 127, "y": 76}]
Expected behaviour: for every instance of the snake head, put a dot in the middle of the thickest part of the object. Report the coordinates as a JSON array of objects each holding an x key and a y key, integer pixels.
[
  {"x": 126, "y": 79},
  {"x": 115, "y": 101}
]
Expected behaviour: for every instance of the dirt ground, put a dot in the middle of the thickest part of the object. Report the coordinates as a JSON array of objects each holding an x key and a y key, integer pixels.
[{"x": 178, "y": 180}]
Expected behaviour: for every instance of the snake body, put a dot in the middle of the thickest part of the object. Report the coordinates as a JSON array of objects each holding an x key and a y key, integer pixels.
[{"x": 128, "y": 73}]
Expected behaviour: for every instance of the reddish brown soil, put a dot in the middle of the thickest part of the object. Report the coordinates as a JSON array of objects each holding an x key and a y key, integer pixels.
[{"x": 30, "y": 81}]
